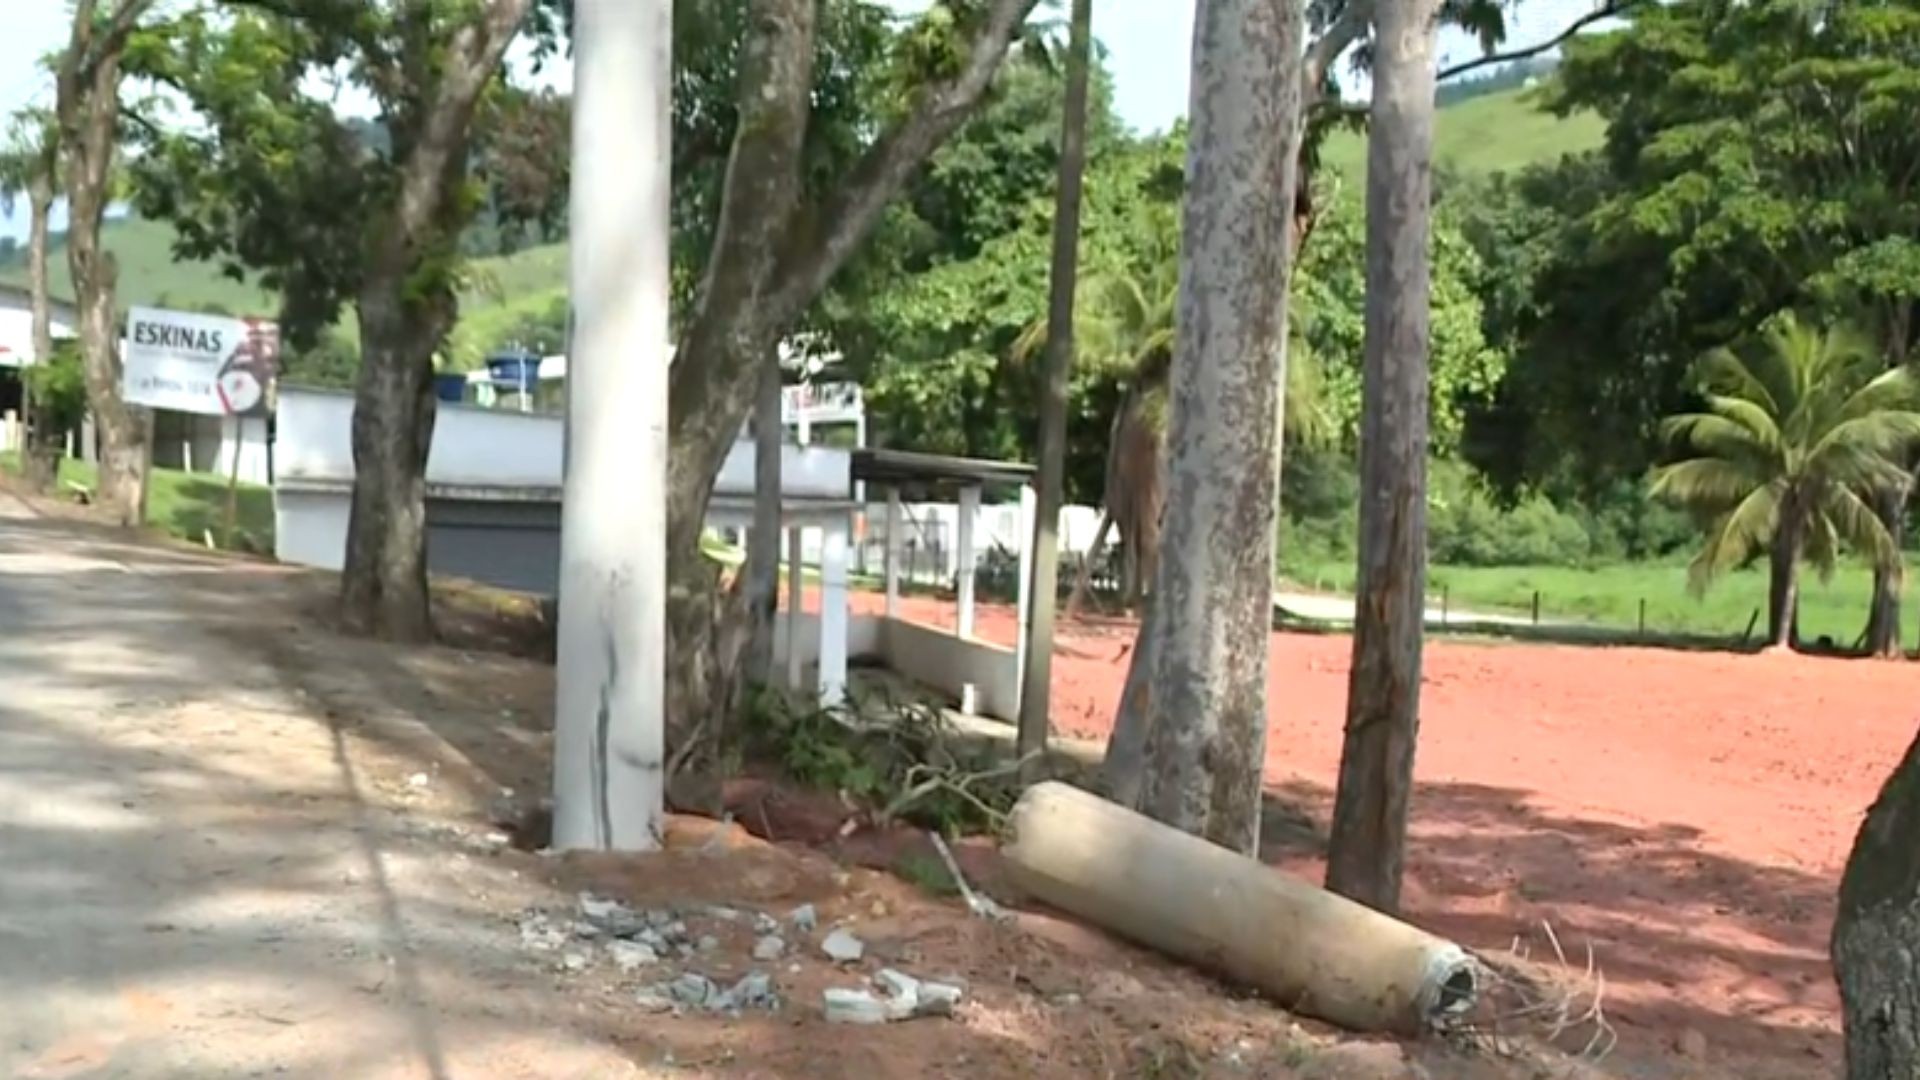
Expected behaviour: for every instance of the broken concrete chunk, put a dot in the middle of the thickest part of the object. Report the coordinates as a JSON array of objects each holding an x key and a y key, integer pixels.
[
  {"x": 692, "y": 990},
  {"x": 575, "y": 961},
  {"x": 708, "y": 943},
  {"x": 631, "y": 955},
  {"x": 898, "y": 984},
  {"x": 764, "y": 924},
  {"x": 724, "y": 913},
  {"x": 843, "y": 948},
  {"x": 769, "y": 948},
  {"x": 537, "y": 932},
  {"x": 755, "y": 991},
  {"x": 804, "y": 918},
  {"x": 938, "y": 999},
  {"x": 854, "y": 1007},
  {"x": 611, "y": 916},
  {"x": 657, "y": 998}
]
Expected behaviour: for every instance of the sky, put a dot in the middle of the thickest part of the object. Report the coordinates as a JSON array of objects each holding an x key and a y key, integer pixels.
[{"x": 1147, "y": 44}]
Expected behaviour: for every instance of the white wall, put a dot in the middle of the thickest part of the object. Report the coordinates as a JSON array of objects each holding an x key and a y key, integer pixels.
[
  {"x": 16, "y": 327},
  {"x": 929, "y": 656},
  {"x": 483, "y": 455},
  {"x": 476, "y": 447},
  {"x": 472, "y": 447}
]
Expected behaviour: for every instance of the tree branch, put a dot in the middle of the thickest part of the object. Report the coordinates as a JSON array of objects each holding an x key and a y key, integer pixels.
[
  {"x": 1606, "y": 10},
  {"x": 813, "y": 258},
  {"x": 1341, "y": 33}
]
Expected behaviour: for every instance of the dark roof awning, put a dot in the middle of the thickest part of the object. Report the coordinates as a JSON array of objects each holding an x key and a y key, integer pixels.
[{"x": 935, "y": 472}]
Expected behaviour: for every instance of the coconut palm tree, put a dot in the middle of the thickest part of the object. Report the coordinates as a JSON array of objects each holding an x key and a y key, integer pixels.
[
  {"x": 1124, "y": 332},
  {"x": 29, "y": 166},
  {"x": 1794, "y": 442}
]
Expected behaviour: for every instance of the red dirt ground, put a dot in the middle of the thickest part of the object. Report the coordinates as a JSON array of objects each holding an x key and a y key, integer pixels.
[{"x": 1685, "y": 813}]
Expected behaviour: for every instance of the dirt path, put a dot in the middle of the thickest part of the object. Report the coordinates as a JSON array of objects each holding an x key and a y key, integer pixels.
[{"x": 203, "y": 876}]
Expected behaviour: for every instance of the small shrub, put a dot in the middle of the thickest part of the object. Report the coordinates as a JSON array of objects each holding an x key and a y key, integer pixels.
[{"x": 897, "y": 761}]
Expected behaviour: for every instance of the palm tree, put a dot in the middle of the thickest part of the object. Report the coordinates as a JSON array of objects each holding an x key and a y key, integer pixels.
[
  {"x": 1787, "y": 456},
  {"x": 1124, "y": 331},
  {"x": 28, "y": 165}
]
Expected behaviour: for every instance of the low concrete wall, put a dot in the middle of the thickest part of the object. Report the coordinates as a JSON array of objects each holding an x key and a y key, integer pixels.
[
  {"x": 934, "y": 658},
  {"x": 947, "y": 663},
  {"x": 864, "y": 639}
]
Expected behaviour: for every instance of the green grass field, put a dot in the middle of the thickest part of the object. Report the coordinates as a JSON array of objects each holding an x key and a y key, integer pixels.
[
  {"x": 1609, "y": 597},
  {"x": 188, "y": 506},
  {"x": 1484, "y": 135}
]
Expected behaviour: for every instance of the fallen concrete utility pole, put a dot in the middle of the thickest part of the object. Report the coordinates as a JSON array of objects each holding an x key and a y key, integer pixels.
[{"x": 1309, "y": 950}]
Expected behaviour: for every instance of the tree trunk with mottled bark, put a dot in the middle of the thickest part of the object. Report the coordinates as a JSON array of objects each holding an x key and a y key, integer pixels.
[
  {"x": 1064, "y": 275},
  {"x": 1883, "y": 616},
  {"x": 763, "y": 540},
  {"x": 87, "y": 113},
  {"x": 407, "y": 307},
  {"x": 1123, "y": 771},
  {"x": 41, "y": 459},
  {"x": 1083, "y": 577},
  {"x": 1206, "y": 737},
  {"x": 771, "y": 258},
  {"x": 1783, "y": 583},
  {"x": 384, "y": 591},
  {"x": 1368, "y": 843},
  {"x": 1876, "y": 933}
]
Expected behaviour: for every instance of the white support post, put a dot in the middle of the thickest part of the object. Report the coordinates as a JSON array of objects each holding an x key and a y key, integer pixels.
[
  {"x": 833, "y": 612},
  {"x": 893, "y": 553},
  {"x": 963, "y": 550},
  {"x": 795, "y": 600},
  {"x": 1029, "y": 508},
  {"x": 609, "y": 759}
]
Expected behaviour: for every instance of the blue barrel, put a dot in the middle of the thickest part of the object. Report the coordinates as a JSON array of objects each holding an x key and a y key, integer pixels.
[
  {"x": 514, "y": 372},
  {"x": 450, "y": 387}
]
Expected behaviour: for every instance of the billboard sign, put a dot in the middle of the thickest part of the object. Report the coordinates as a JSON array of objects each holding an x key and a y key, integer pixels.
[
  {"x": 209, "y": 364},
  {"x": 822, "y": 403}
]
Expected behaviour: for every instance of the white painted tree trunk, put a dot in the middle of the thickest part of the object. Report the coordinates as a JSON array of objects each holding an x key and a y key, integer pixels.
[
  {"x": 1207, "y": 729},
  {"x": 609, "y": 770},
  {"x": 1368, "y": 841}
]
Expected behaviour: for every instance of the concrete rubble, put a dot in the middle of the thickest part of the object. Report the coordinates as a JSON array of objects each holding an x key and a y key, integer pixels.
[
  {"x": 906, "y": 998},
  {"x": 634, "y": 939},
  {"x": 843, "y": 948}
]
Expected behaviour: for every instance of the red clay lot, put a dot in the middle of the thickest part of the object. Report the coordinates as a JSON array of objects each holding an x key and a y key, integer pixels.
[{"x": 1687, "y": 814}]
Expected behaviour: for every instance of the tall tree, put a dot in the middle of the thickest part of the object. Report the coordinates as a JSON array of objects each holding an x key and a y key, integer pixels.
[
  {"x": 1338, "y": 27},
  {"x": 1763, "y": 156},
  {"x": 777, "y": 243},
  {"x": 274, "y": 181},
  {"x": 1368, "y": 844},
  {"x": 1212, "y": 593},
  {"x": 1064, "y": 279},
  {"x": 1790, "y": 453},
  {"x": 87, "y": 80},
  {"x": 1875, "y": 931},
  {"x": 30, "y": 165}
]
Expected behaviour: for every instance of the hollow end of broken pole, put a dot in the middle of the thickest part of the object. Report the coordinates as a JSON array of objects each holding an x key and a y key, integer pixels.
[{"x": 1306, "y": 949}]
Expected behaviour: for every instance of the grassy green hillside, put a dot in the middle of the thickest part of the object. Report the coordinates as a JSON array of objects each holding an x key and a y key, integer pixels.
[
  {"x": 1484, "y": 134},
  {"x": 501, "y": 292},
  {"x": 150, "y": 276}
]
